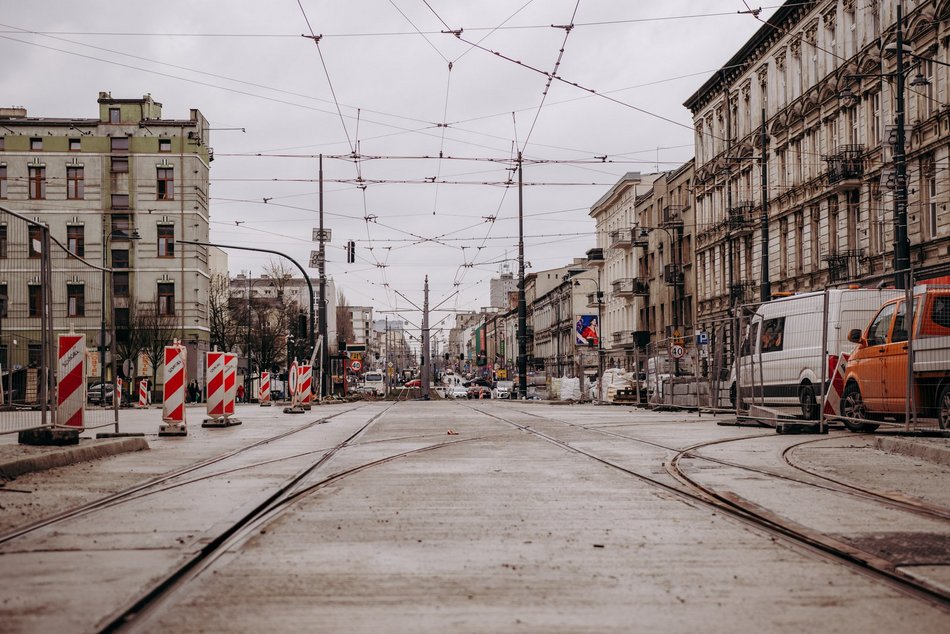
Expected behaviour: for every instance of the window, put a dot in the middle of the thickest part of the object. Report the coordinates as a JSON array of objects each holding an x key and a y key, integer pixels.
[
  {"x": 877, "y": 331},
  {"x": 166, "y": 298},
  {"x": 75, "y": 300},
  {"x": 75, "y": 184},
  {"x": 772, "y": 334},
  {"x": 120, "y": 201},
  {"x": 3, "y": 241},
  {"x": 164, "y": 145},
  {"x": 3, "y": 141},
  {"x": 4, "y": 300},
  {"x": 166, "y": 241},
  {"x": 874, "y": 124},
  {"x": 75, "y": 240},
  {"x": 931, "y": 208},
  {"x": 34, "y": 237},
  {"x": 900, "y": 327},
  {"x": 115, "y": 115},
  {"x": 36, "y": 144},
  {"x": 3, "y": 181},
  {"x": 35, "y": 298},
  {"x": 37, "y": 175},
  {"x": 75, "y": 145},
  {"x": 120, "y": 258},
  {"x": 166, "y": 183},
  {"x": 120, "y": 227},
  {"x": 120, "y": 164},
  {"x": 34, "y": 354},
  {"x": 120, "y": 143},
  {"x": 120, "y": 284}
]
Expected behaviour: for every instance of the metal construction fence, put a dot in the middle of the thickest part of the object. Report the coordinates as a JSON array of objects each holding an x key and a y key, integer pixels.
[
  {"x": 49, "y": 289},
  {"x": 865, "y": 356}
]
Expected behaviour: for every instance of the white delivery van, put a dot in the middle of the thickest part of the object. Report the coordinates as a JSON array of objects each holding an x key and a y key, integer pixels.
[{"x": 780, "y": 357}]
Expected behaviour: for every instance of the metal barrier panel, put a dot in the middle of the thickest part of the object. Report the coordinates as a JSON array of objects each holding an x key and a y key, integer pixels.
[
  {"x": 48, "y": 288},
  {"x": 672, "y": 374}
]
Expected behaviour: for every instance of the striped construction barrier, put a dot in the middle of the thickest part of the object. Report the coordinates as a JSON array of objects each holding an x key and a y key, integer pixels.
[
  {"x": 221, "y": 370},
  {"x": 71, "y": 380},
  {"x": 173, "y": 392},
  {"x": 832, "y": 405},
  {"x": 143, "y": 393},
  {"x": 305, "y": 385},
  {"x": 263, "y": 395},
  {"x": 293, "y": 389},
  {"x": 119, "y": 385},
  {"x": 230, "y": 382}
]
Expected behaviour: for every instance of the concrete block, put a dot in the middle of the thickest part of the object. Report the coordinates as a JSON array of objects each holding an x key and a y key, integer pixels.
[{"x": 49, "y": 436}]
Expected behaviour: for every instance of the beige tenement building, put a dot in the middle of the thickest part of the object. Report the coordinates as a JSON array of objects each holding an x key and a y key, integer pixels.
[{"x": 119, "y": 189}]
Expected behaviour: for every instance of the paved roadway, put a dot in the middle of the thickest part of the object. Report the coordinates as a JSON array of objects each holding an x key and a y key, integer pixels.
[{"x": 473, "y": 517}]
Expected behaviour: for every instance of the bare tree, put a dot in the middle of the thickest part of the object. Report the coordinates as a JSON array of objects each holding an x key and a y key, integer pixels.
[
  {"x": 221, "y": 318},
  {"x": 158, "y": 331},
  {"x": 129, "y": 338}
]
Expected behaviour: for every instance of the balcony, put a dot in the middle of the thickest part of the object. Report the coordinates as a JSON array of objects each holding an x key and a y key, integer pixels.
[
  {"x": 673, "y": 275},
  {"x": 621, "y": 238},
  {"x": 672, "y": 216},
  {"x": 595, "y": 256},
  {"x": 631, "y": 287},
  {"x": 844, "y": 265},
  {"x": 845, "y": 167},
  {"x": 740, "y": 220},
  {"x": 623, "y": 339},
  {"x": 743, "y": 292},
  {"x": 594, "y": 299}
]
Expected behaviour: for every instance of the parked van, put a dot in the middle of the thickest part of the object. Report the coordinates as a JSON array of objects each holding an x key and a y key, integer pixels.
[
  {"x": 780, "y": 354},
  {"x": 877, "y": 373}
]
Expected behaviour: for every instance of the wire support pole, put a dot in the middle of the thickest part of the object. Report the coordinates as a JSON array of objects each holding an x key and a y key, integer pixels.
[
  {"x": 324, "y": 349},
  {"x": 522, "y": 304},
  {"x": 901, "y": 241}
]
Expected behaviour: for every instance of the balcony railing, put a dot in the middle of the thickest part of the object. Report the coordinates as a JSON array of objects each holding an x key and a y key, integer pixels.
[
  {"x": 672, "y": 216},
  {"x": 740, "y": 218},
  {"x": 594, "y": 299},
  {"x": 621, "y": 238},
  {"x": 595, "y": 256},
  {"x": 743, "y": 292},
  {"x": 845, "y": 166},
  {"x": 623, "y": 338},
  {"x": 844, "y": 265},
  {"x": 631, "y": 286},
  {"x": 673, "y": 274}
]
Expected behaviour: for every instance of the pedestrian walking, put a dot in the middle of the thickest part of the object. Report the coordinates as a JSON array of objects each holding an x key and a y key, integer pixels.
[{"x": 240, "y": 394}]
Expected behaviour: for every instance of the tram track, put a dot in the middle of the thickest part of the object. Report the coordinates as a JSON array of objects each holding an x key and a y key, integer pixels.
[
  {"x": 750, "y": 514},
  {"x": 154, "y": 485},
  {"x": 147, "y": 605}
]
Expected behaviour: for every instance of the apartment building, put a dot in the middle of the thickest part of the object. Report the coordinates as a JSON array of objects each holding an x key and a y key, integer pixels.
[
  {"x": 120, "y": 189},
  {"x": 814, "y": 94}
]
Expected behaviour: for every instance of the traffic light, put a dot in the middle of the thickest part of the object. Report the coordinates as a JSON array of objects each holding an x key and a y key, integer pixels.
[
  {"x": 350, "y": 252},
  {"x": 377, "y": 355},
  {"x": 446, "y": 357},
  {"x": 301, "y": 324}
]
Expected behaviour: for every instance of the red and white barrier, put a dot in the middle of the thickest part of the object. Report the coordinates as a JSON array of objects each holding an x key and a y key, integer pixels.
[
  {"x": 143, "y": 393},
  {"x": 214, "y": 370},
  {"x": 230, "y": 382},
  {"x": 71, "y": 380},
  {"x": 832, "y": 406},
  {"x": 118, "y": 388},
  {"x": 173, "y": 392},
  {"x": 305, "y": 385},
  {"x": 263, "y": 395}
]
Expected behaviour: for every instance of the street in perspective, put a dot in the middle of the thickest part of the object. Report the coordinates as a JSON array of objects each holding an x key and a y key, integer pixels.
[{"x": 410, "y": 316}]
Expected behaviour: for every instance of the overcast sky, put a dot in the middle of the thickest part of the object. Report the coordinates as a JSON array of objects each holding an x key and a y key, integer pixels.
[{"x": 379, "y": 83}]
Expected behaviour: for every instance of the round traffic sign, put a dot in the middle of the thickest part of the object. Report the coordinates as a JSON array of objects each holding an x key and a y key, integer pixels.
[
  {"x": 355, "y": 365},
  {"x": 677, "y": 351}
]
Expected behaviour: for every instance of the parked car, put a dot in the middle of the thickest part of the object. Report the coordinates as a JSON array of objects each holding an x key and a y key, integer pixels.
[
  {"x": 456, "y": 391},
  {"x": 781, "y": 357},
  {"x": 503, "y": 389},
  {"x": 876, "y": 374},
  {"x": 94, "y": 395},
  {"x": 479, "y": 391}
]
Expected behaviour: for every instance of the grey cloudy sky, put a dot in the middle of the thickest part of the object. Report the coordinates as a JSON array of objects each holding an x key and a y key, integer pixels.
[{"x": 245, "y": 64}]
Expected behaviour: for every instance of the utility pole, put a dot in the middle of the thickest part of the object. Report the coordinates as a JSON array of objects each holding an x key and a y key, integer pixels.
[
  {"x": 426, "y": 353},
  {"x": 522, "y": 305},
  {"x": 765, "y": 291},
  {"x": 901, "y": 241},
  {"x": 324, "y": 349}
]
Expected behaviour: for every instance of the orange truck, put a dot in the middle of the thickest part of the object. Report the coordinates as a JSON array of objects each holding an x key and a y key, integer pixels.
[{"x": 876, "y": 375}]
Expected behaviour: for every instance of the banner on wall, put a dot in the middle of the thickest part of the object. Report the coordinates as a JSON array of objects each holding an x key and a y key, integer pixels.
[{"x": 587, "y": 331}]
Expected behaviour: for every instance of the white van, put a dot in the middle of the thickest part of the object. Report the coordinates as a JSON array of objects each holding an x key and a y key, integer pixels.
[
  {"x": 780, "y": 352},
  {"x": 373, "y": 382}
]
